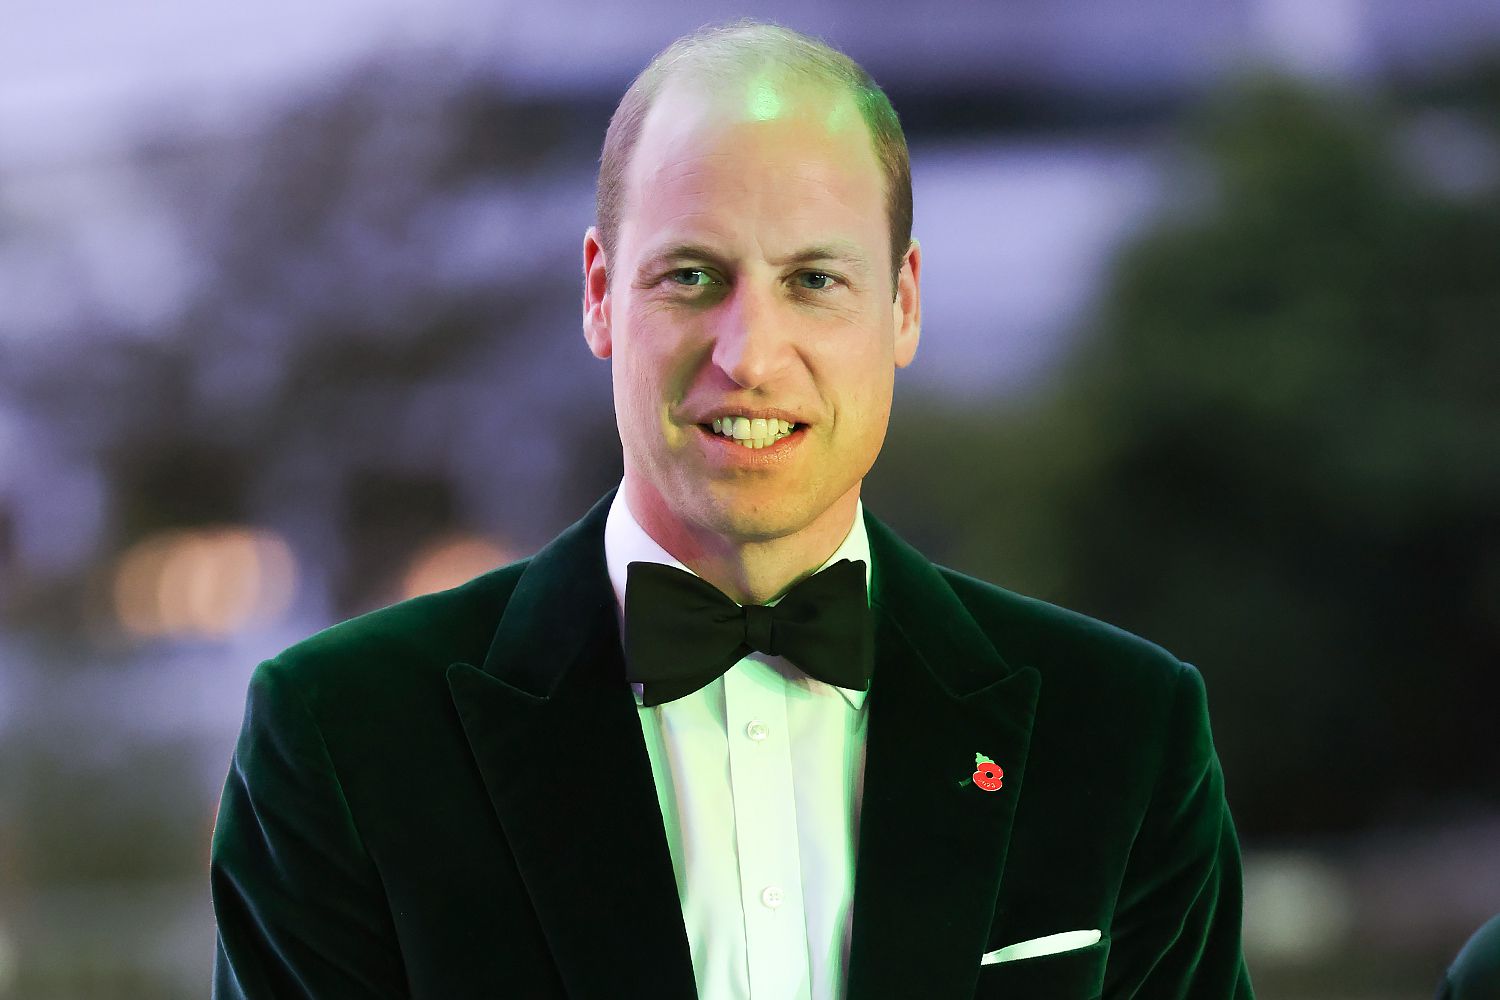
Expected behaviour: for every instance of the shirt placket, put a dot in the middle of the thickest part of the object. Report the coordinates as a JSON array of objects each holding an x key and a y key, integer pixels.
[{"x": 760, "y": 768}]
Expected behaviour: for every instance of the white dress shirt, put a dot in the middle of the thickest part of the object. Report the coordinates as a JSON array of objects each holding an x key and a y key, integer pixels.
[{"x": 759, "y": 777}]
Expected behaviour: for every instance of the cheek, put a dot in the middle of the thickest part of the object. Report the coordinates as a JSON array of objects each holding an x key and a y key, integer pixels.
[
  {"x": 647, "y": 385},
  {"x": 872, "y": 381}
]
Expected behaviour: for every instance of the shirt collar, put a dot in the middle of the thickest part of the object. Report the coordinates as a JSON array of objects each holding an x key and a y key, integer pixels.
[{"x": 625, "y": 541}]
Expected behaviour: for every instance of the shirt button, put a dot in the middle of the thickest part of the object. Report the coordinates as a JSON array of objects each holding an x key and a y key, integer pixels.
[
  {"x": 757, "y": 731},
  {"x": 772, "y": 896}
]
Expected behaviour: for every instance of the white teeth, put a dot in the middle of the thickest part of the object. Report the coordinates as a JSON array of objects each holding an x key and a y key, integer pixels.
[
  {"x": 744, "y": 428},
  {"x": 756, "y": 433}
]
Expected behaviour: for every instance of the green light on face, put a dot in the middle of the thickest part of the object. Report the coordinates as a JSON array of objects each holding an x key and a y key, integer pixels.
[{"x": 764, "y": 101}]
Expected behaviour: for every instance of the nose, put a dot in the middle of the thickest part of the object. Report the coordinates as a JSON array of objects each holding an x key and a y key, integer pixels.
[{"x": 750, "y": 341}]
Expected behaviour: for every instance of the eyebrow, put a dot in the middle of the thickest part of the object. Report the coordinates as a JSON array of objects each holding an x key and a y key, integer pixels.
[{"x": 836, "y": 250}]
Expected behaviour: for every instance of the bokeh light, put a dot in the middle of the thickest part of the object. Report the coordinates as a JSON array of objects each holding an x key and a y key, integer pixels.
[
  {"x": 205, "y": 582},
  {"x": 449, "y": 561}
]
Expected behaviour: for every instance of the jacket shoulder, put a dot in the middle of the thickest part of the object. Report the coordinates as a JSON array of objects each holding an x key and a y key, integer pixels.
[
  {"x": 430, "y": 630},
  {"x": 1106, "y": 693},
  {"x": 1032, "y": 632}
]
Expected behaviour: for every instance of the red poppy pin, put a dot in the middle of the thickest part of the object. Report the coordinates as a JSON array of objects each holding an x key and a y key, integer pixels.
[{"x": 987, "y": 774}]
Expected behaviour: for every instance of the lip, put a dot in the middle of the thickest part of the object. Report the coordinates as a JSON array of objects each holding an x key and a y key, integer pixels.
[
  {"x": 753, "y": 413},
  {"x": 723, "y": 451}
]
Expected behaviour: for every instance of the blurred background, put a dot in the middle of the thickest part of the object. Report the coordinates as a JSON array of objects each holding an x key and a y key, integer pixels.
[{"x": 290, "y": 303}]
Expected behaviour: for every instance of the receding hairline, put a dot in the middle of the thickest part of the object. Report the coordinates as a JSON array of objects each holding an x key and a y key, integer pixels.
[
  {"x": 744, "y": 102},
  {"x": 736, "y": 53}
]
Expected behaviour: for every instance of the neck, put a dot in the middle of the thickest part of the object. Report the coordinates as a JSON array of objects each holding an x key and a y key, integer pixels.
[{"x": 743, "y": 557}]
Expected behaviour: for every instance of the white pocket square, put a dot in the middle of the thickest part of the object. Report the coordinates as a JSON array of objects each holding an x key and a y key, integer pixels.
[{"x": 1049, "y": 945}]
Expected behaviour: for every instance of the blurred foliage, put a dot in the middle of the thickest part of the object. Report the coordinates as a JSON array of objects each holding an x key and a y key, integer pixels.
[
  {"x": 1277, "y": 456},
  {"x": 1274, "y": 455},
  {"x": 95, "y": 816},
  {"x": 365, "y": 279}
]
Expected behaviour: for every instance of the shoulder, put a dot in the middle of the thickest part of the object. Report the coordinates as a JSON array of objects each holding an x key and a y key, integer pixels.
[
  {"x": 1105, "y": 693},
  {"x": 1039, "y": 632},
  {"x": 380, "y": 649},
  {"x": 1082, "y": 661}
]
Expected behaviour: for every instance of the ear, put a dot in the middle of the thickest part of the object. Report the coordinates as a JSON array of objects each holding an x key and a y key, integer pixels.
[
  {"x": 907, "y": 309},
  {"x": 596, "y": 297}
]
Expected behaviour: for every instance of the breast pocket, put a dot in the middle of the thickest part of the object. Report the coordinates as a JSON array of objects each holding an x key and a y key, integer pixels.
[{"x": 1066, "y": 975}]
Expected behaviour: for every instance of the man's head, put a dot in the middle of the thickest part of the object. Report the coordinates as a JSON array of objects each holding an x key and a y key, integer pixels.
[
  {"x": 752, "y": 143},
  {"x": 713, "y": 60}
]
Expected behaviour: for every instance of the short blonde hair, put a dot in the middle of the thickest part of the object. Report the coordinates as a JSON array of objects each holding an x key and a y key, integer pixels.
[{"x": 732, "y": 53}]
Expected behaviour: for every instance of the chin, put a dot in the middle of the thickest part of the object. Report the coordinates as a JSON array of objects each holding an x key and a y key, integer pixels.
[{"x": 771, "y": 518}]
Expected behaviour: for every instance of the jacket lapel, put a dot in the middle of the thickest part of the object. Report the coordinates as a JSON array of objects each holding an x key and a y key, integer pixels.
[
  {"x": 932, "y": 844},
  {"x": 554, "y": 730}
]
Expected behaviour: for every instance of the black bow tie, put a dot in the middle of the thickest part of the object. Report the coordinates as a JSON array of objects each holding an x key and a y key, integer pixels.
[{"x": 681, "y": 632}]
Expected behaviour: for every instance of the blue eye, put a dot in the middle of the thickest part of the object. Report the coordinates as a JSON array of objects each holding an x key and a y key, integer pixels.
[{"x": 688, "y": 270}]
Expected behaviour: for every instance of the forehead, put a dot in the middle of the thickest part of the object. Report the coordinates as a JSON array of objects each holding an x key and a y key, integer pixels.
[{"x": 762, "y": 156}]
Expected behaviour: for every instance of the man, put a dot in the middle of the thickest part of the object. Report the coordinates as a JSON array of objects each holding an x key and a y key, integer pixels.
[{"x": 728, "y": 735}]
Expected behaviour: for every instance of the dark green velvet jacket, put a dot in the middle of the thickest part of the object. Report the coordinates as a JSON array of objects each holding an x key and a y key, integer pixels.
[{"x": 450, "y": 798}]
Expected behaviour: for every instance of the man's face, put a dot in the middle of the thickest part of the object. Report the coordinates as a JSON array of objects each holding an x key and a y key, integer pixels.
[{"x": 753, "y": 176}]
